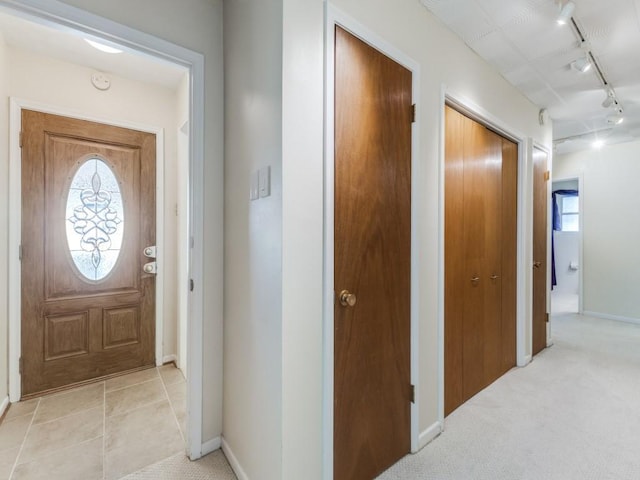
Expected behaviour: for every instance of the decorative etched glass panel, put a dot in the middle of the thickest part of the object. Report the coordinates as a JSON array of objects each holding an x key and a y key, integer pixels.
[{"x": 95, "y": 219}]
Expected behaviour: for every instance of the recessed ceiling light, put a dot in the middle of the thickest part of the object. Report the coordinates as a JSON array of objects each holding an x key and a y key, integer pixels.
[
  {"x": 566, "y": 11},
  {"x": 598, "y": 144},
  {"x": 102, "y": 47}
]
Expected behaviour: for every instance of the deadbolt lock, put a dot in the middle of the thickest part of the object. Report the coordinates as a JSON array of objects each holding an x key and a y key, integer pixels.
[
  {"x": 347, "y": 299},
  {"x": 150, "y": 267}
]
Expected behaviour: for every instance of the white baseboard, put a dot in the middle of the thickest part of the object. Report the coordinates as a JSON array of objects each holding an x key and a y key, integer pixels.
[
  {"x": 4, "y": 405},
  {"x": 617, "y": 318},
  {"x": 233, "y": 461},
  {"x": 170, "y": 359},
  {"x": 429, "y": 434},
  {"x": 211, "y": 446}
]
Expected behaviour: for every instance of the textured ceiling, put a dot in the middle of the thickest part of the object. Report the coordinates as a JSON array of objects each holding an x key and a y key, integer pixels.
[{"x": 522, "y": 40}]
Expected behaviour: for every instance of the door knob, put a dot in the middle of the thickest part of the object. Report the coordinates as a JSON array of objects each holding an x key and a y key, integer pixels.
[
  {"x": 537, "y": 264},
  {"x": 347, "y": 299}
]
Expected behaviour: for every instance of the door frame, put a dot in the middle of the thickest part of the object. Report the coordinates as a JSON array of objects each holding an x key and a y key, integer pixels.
[
  {"x": 542, "y": 148},
  {"x": 335, "y": 17},
  {"x": 16, "y": 105},
  {"x": 61, "y": 15},
  {"x": 524, "y": 251}
]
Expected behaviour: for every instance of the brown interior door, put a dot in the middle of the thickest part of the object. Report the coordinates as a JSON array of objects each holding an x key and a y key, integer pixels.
[
  {"x": 372, "y": 392},
  {"x": 540, "y": 229},
  {"x": 480, "y": 257},
  {"x": 88, "y": 211}
]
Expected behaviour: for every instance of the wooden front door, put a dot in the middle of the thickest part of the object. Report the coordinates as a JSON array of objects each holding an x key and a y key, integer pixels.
[
  {"x": 372, "y": 392},
  {"x": 480, "y": 257},
  {"x": 88, "y": 211},
  {"x": 540, "y": 232}
]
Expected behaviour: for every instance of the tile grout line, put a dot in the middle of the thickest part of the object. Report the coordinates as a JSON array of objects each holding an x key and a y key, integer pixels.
[
  {"x": 133, "y": 384},
  {"x": 173, "y": 411},
  {"x": 24, "y": 440}
]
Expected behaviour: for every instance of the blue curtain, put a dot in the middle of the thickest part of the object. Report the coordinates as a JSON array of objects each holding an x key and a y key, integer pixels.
[{"x": 557, "y": 225}]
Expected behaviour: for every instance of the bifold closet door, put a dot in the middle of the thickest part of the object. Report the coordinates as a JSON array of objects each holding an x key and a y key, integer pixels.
[{"x": 480, "y": 232}]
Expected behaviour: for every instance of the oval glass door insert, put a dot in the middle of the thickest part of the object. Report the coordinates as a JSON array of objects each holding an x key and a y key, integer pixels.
[{"x": 95, "y": 219}]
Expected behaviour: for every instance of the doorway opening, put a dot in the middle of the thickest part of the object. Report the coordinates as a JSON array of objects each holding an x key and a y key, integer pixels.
[
  {"x": 79, "y": 24},
  {"x": 566, "y": 240}
]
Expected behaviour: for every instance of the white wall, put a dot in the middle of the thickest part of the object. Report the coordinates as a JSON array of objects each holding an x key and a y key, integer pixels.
[
  {"x": 302, "y": 238},
  {"x": 197, "y": 25},
  {"x": 182, "y": 177},
  {"x": 567, "y": 251},
  {"x": 252, "y": 425},
  {"x": 68, "y": 86},
  {"x": 4, "y": 220},
  {"x": 611, "y": 259}
]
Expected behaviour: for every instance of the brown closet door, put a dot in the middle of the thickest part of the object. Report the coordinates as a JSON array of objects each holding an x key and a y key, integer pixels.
[
  {"x": 540, "y": 315},
  {"x": 480, "y": 236},
  {"x": 509, "y": 252},
  {"x": 372, "y": 394},
  {"x": 454, "y": 266}
]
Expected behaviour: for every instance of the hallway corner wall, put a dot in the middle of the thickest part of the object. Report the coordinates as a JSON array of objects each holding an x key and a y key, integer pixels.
[{"x": 253, "y": 341}]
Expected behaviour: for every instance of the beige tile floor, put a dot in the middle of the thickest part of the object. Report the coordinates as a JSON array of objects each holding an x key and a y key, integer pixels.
[{"x": 105, "y": 430}]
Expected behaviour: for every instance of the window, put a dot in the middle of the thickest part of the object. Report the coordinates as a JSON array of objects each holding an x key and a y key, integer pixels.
[
  {"x": 95, "y": 217},
  {"x": 569, "y": 213}
]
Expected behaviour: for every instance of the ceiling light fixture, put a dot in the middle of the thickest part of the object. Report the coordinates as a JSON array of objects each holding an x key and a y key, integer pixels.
[
  {"x": 582, "y": 64},
  {"x": 102, "y": 47},
  {"x": 566, "y": 11},
  {"x": 611, "y": 97},
  {"x": 616, "y": 118},
  {"x": 598, "y": 144}
]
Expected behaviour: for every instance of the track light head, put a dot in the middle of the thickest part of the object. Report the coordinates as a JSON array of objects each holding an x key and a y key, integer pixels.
[
  {"x": 615, "y": 118},
  {"x": 566, "y": 11},
  {"x": 582, "y": 64},
  {"x": 611, "y": 98}
]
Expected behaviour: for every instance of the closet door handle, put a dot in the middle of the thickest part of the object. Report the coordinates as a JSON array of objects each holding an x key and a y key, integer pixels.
[
  {"x": 475, "y": 280},
  {"x": 494, "y": 277},
  {"x": 537, "y": 264}
]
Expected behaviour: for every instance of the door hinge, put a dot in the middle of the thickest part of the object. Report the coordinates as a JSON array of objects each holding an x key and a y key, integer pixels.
[
  {"x": 547, "y": 175},
  {"x": 20, "y": 365},
  {"x": 191, "y": 285},
  {"x": 20, "y": 139},
  {"x": 413, "y": 113},
  {"x": 20, "y": 252},
  {"x": 412, "y": 393}
]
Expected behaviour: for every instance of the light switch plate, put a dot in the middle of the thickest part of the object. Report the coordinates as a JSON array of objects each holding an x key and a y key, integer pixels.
[
  {"x": 264, "y": 180},
  {"x": 254, "y": 192}
]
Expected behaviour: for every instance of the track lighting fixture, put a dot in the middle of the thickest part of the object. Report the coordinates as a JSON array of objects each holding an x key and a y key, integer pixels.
[
  {"x": 566, "y": 11},
  {"x": 582, "y": 64},
  {"x": 611, "y": 98},
  {"x": 615, "y": 119}
]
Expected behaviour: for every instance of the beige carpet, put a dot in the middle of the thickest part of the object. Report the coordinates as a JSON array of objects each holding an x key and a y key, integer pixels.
[
  {"x": 212, "y": 467},
  {"x": 573, "y": 413}
]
